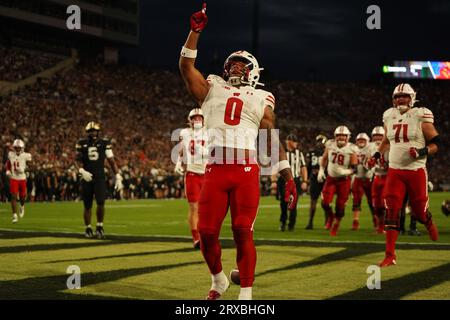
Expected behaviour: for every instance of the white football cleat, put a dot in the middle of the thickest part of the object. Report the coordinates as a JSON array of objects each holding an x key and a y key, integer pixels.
[
  {"x": 15, "y": 218},
  {"x": 21, "y": 211}
]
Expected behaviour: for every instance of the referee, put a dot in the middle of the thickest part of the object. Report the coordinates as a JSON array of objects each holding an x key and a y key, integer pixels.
[{"x": 298, "y": 167}]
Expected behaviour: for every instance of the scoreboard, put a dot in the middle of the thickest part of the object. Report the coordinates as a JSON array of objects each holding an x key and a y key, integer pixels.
[{"x": 419, "y": 69}]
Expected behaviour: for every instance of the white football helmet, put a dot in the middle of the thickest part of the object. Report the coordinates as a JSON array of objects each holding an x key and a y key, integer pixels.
[
  {"x": 250, "y": 75},
  {"x": 362, "y": 136},
  {"x": 196, "y": 112},
  {"x": 404, "y": 88},
  {"x": 342, "y": 130},
  {"x": 18, "y": 144},
  {"x": 378, "y": 130}
]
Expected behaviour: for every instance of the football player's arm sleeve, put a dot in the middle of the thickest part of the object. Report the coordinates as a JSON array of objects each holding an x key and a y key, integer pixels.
[
  {"x": 195, "y": 83},
  {"x": 432, "y": 137}
]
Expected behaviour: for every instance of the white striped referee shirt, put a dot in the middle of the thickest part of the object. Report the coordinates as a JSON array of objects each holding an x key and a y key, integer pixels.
[{"x": 296, "y": 161}]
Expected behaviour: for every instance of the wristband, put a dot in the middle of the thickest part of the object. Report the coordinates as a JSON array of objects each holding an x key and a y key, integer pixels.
[{"x": 188, "y": 53}]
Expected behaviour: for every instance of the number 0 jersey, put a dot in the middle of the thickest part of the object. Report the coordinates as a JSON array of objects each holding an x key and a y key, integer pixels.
[
  {"x": 405, "y": 131},
  {"x": 233, "y": 115},
  {"x": 339, "y": 157},
  {"x": 18, "y": 164},
  {"x": 195, "y": 149},
  {"x": 92, "y": 153}
]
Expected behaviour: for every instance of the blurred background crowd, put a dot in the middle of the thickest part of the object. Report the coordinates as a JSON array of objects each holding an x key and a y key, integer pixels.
[{"x": 139, "y": 108}]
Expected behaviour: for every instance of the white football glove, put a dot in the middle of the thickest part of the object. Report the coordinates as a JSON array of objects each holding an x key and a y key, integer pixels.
[
  {"x": 8, "y": 173},
  {"x": 430, "y": 186},
  {"x": 321, "y": 175},
  {"x": 344, "y": 172},
  {"x": 179, "y": 168},
  {"x": 118, "y": 185},
  {"x": 85, "y": 175}
]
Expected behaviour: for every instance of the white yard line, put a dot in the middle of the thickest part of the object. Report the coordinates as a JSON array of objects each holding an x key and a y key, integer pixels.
[{"x": 229, "y": 238}]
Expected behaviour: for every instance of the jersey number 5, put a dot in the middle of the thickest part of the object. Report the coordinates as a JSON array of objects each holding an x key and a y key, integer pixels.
[
  {"x": 233, "y": 111},
  {"x": 398, "y": 127},
  {"x": 92, "y": 153}
]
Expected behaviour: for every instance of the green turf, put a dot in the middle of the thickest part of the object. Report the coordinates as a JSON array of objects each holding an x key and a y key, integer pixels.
[{"x": 148, "y": 255}]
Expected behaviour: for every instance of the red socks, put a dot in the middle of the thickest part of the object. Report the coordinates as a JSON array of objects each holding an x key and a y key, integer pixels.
[
  {"x": 246, "y": 256},
  {"x": 391, "y": 239},
  {"x": 212, "y": 252}
]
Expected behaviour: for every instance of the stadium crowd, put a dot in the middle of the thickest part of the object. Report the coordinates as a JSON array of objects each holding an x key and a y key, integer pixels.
[{"x": 139, "y": 109}]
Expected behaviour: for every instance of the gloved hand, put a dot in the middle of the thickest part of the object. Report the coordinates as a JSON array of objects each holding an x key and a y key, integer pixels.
[
  {"x": 8, "y": 173},
  {"x": 321, "y": 175},
  {"x": 85, "y": 175},
  {"x": 118, "y": 184},
  {"x": 179, "y": 168},
  {"x": 417, "y": 153},
  {"x": 199, "y": 20},
  {"x": 290, "y": 194}
]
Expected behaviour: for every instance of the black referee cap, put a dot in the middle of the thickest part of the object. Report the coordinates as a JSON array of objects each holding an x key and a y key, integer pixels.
[{"x": 292, "y": 137}]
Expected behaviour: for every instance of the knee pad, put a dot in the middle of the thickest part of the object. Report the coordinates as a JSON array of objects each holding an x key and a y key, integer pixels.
[
  {"x": 340, "y": 212},
  {"x": 325, "y": 205}
]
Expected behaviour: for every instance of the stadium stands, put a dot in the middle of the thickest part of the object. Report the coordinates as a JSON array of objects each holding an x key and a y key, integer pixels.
[{"x": 139, "y": 108}]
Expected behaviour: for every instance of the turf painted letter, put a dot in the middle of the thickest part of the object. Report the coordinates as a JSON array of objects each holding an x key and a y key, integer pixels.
[{"x": 74, "y": 281}]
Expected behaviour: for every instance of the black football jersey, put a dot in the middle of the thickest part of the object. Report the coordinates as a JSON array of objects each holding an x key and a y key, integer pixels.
[
  {"x": 312, "y": 162},
  {"x": 92, "y": 153}
]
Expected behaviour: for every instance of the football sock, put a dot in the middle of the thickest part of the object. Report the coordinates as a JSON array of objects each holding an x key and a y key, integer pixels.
[
  {"x": 99, "y": 224},
  {"x": 245, "y": 293},
  {"x": 219, "y": 282},
  {"x": 89, "y": 226},
  {"x": 212, "y": 252},
  {"x": 391, "y": 239},
  {"x": 246, "y": 255},
  {"x": 195, "y": 235}
]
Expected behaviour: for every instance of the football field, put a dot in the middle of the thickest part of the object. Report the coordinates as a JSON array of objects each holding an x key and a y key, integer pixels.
[{"x": 148, "y": 255}]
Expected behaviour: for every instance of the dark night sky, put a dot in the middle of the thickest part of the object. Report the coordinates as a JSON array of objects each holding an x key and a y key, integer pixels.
[{"x": 298, "y": 38}]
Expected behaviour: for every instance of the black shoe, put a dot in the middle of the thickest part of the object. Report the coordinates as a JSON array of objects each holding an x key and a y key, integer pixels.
[
  {"x": 282, "y": 227},
  {"x": 309, "y": 226},
  {"x": 100, "y": 233},
  {"x": 414, "y": 232},
  {"x": 291, "y": 228},
  {"x": 197, "y": 244},
  {"x": 88, "y": 233}
]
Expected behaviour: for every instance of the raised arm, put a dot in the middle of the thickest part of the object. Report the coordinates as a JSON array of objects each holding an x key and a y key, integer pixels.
[{"x": 196, "y": 84}]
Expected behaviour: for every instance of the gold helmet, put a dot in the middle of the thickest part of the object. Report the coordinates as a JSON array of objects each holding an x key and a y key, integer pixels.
[{"x": 92, "y": 126}]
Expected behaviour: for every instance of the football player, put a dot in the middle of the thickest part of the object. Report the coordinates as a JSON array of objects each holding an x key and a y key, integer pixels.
[
  {"x": 91, "y": 154},
  {"x": 313, "y": 165},
  {"x": 411, "y": 137},
  {"x": 193, "y": 156},
  {"x": 339, "y": 158},
  {"x": 234, "y": 111},
  {"x": 362, "y": 180},
  {"x": 15, "y": 171},
  {"x": 380, "y": 166}
]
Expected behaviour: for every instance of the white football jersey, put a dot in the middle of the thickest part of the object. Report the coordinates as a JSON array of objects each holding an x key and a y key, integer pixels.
[
  {"x": 233, "y": 115},
  {"x": 195, "y": 149},
  {"x": 361, "y": 170},
  {"x": 339, "y": 158},
  {"x": 379, "y": 170},
  {"x": 18, "y": 164},
  {"x": 405, "y": 131}
]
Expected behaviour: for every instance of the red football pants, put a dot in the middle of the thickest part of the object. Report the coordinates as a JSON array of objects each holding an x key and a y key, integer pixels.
[
  {"x": 233, "y": 186},
  {"x": 340, "y": 187},
  {"x": 192, "y": 186},
  {"x": 359, "y": 188},
  {"x": 18, "y": 186},
  {"x": 399, "y": 182}
]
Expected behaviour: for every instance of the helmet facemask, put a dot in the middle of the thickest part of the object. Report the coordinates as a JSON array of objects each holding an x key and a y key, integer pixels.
[
  {"x": 341, "y": 140},
  {"x": 236, "y": 71},
  {"x": 93, "y": 134},
  {"x": 377, "y": 137},
  {"x": 361, "y": 143},
  {"x": 196, "y": 122},
  {"x": 402, "y": 102}
]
